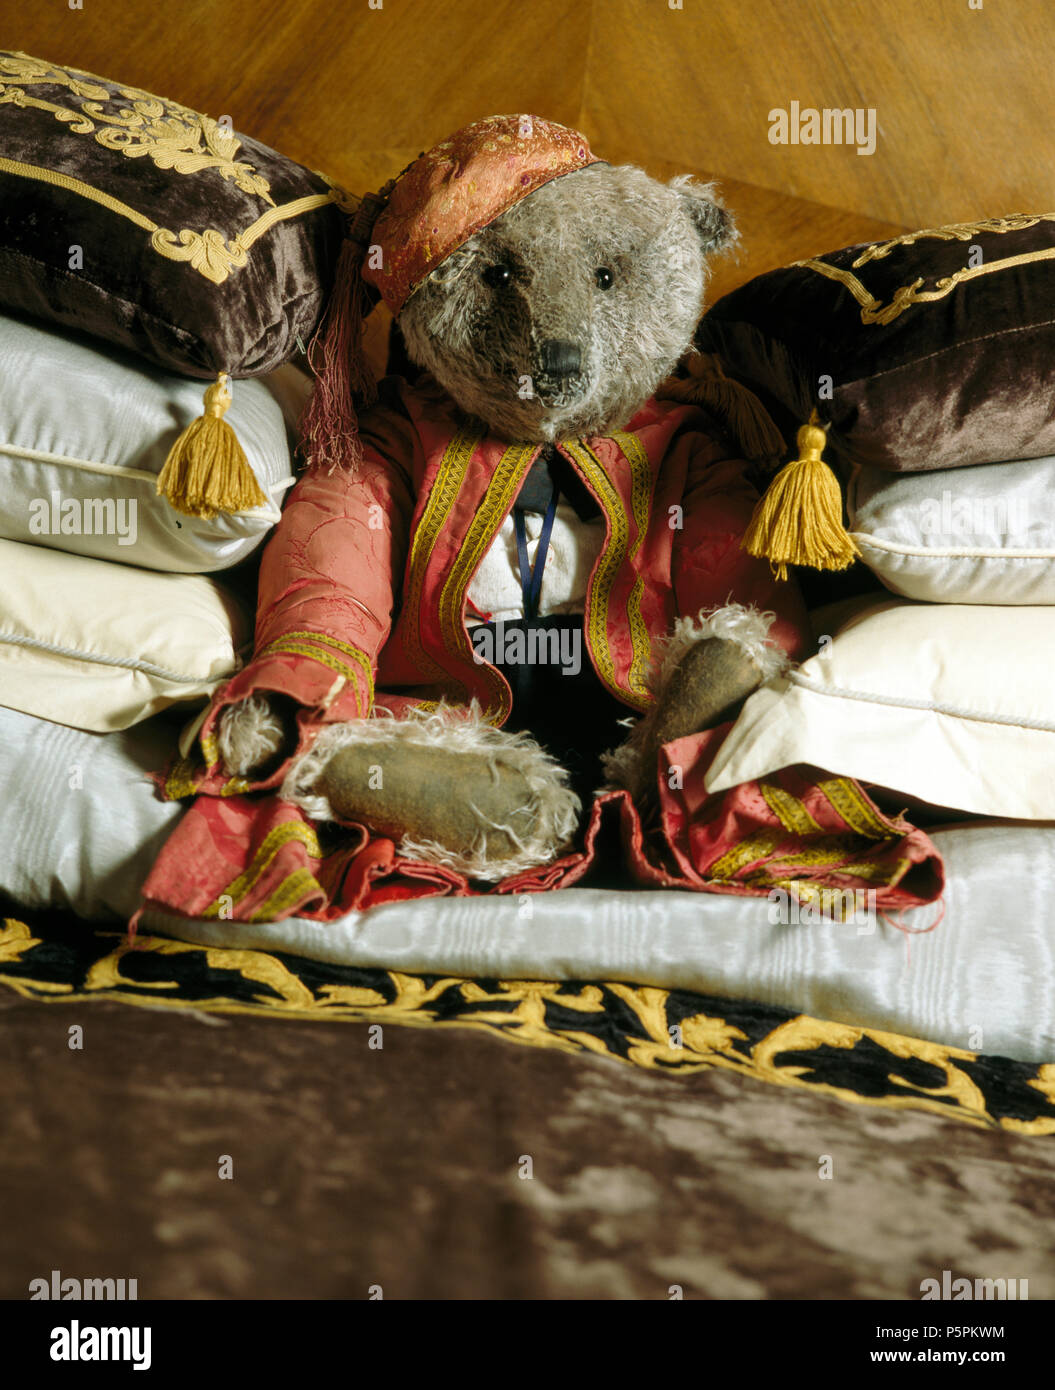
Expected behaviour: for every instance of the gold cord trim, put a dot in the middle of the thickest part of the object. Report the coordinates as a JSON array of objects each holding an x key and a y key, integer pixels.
[
  {"x": 874, "y": 311},
  {"x": 209, "y": 253}
]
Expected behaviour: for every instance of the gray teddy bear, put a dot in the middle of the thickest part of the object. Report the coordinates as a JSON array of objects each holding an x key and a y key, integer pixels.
[{"x": 524, "y": 563}]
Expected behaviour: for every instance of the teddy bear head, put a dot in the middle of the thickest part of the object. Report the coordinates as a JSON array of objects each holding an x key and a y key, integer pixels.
[{"x": 562, "y": 316}]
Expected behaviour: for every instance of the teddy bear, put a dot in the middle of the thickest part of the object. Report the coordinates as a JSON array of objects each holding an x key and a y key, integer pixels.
[{"x": 510, "y": 577}]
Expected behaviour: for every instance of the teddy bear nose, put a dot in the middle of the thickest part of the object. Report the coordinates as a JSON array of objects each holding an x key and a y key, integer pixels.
[{"x": 559, "y": 358}]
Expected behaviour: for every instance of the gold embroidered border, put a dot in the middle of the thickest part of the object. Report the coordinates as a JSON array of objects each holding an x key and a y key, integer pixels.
[
  {"x": 290, "y": 891},
  {"x": 449, "y": 479},
  {"x": 208, "y": 252},
  {"x": 296, "y": 642},
  {"x": 520, "y": 1013},
  {"x": 501, "y": 490},
  {"x": 748, "y": 851},
  {"x": 281, "y": 835},
  {"x": 788, "y": 809},
  {"x": 598, "y": 598},
  {"x": 855, "y": 808}
]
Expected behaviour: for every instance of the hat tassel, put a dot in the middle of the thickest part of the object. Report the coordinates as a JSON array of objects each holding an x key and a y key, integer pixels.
[
  {"x": 744, "y": 415},
  {"x": 206, "y": 471},
  {"x": 799, "y": 520},
  {"x": 329, "y": 429}
]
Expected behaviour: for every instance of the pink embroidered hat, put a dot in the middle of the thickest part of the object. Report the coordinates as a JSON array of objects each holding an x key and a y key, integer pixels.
[
  {"x": 461, "y": 185},
  {"x": 401, "y": 234}
]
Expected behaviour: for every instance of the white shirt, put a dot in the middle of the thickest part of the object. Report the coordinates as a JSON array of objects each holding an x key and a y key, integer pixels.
[{"x": 573, "y": 550}]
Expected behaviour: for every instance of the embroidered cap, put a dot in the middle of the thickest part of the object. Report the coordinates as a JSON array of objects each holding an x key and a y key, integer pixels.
[{"x": 460, "y": 186}]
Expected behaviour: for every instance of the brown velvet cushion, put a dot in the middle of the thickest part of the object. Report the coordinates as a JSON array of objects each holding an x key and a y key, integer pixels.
[
  {"x": 203, "y": 250},
  {"x": 940, "y": 345}
]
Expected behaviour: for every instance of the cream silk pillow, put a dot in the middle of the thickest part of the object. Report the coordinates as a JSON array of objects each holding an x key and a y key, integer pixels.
[
  {"x": 85, "y": 430},
  {"x": 966, "y": 535},
  {"x": 950, "y": 703},
  {"x": 100, "y": 646}
]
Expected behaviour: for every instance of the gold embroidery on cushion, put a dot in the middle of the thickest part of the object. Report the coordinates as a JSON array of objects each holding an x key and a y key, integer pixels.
[
  {"x": 956, "y": 231},
  {"x": 874, "y": 311},
  {"x": 272, "y": 843},
  {"x": 598, "y": 596},
  {"x": 442, "y": 495},
  {"x": 501, "y": 490},
  {"x": 172, "y": 136},
  {"x": 208, "y": 252}
]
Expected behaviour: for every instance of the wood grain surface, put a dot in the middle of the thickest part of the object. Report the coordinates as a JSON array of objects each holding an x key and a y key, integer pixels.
[{"x": 359, "y": 87}]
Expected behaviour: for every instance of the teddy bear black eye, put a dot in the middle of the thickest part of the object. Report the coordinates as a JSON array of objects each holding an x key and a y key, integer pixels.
[
  {"x": 497, "y": 277},
  {"x": 604, "y": 277}
]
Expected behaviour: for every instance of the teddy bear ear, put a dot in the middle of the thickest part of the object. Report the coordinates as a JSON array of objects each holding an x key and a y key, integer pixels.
[{"x": 713, "y": 222}]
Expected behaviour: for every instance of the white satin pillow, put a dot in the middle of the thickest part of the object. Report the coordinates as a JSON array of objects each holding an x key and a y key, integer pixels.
[
  {"x": 951, "y": 703},
  {"x": 962, "y": 535},
  {"x": 100, "y": 646},
  {"x": 84, "y": 432}
]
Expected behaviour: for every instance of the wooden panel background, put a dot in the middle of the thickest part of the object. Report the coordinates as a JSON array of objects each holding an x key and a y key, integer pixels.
[{"x": 962, "y": 94}]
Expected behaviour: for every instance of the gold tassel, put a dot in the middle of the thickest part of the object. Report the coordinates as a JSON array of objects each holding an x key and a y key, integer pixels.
[
  {"x": 799, "y": 521},
  {"x": 746, "y": 417},
  {"x": 207, "y": 471}
]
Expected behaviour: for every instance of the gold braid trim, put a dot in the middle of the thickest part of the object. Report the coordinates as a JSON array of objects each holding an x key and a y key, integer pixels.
[
  {"x": 788, "y": 809},
  {"x": 748, "y": 851},
  {"x": 598, "y": 597},
  {"x": 501, "y": 490},
  {"x": 295, "y": 642},
  {"x": 444, "y": 491},
  {"x": 853, "y": 806},
  {"x": 272, "y": 843},
  {"x": 290, "y": 891}
]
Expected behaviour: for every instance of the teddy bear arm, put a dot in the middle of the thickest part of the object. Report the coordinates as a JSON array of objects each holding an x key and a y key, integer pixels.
[{"x": 327, "y": 591}]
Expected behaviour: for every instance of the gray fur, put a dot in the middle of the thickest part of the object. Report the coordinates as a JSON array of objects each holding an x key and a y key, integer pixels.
[{"x": 481, "y": 343}]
